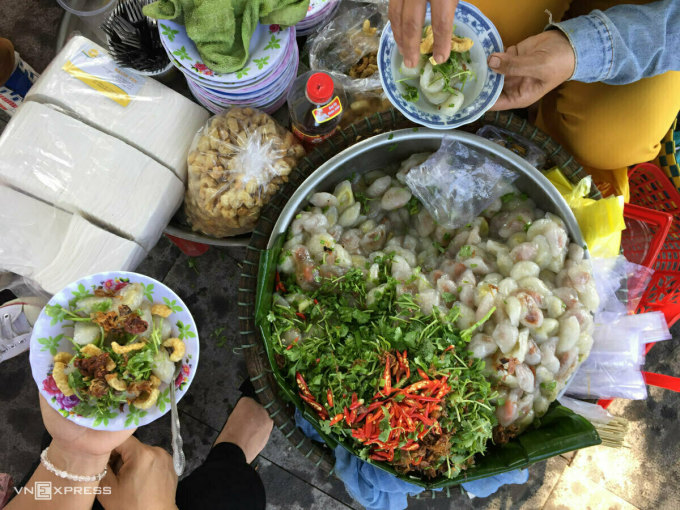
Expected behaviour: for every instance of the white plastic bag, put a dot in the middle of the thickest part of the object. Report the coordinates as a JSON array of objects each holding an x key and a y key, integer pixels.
[
  {"x": 73, "y": 166},
  {"x": 457, "y": 183}
]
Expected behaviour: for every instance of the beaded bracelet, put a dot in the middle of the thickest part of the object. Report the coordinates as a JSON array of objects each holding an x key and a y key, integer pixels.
[{"x": 68, "y": 476}]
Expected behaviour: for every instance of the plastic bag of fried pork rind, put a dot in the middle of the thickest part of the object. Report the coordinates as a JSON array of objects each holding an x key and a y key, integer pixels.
[
  {"x": 458, "y": 182},
  {"x": 237, "y": 162}
]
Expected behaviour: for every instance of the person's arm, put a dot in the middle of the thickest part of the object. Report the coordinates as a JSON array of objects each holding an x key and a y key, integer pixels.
[
  {"x": 55, "y": 493},
  {"x": 625, "y": 43},
  {"x": 76, "y": 450}
]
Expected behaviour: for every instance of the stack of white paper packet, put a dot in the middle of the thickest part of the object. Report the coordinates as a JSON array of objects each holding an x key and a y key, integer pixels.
[{"x": 52, "y": 248}]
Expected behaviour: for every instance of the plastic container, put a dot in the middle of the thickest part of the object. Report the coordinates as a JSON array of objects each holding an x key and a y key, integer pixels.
[
  {"x": 645, "y": 233},
  {"x": 315, "y": 103},
  {"x": 92, "y": 13}
]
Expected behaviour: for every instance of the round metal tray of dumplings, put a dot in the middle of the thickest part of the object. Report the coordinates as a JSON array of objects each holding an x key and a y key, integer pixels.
[{"x": 375, "y": 151}]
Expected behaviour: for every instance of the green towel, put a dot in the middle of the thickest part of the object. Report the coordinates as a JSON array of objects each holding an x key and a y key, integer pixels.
[{"x": 221, "y": 29}]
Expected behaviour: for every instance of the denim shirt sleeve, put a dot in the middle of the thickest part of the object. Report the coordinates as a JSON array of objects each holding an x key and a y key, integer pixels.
[{"x": 625, "y": 43}]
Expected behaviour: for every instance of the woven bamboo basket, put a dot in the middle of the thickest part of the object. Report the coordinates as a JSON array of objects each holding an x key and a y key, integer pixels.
[{"x": 260, "y": 372}]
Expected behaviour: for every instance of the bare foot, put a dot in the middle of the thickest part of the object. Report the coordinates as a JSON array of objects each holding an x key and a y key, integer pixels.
[{"x": 249, "y": 427}]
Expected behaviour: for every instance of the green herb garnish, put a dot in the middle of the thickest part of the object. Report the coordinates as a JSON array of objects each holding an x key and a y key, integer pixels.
[{"x": 411, "y": 93}]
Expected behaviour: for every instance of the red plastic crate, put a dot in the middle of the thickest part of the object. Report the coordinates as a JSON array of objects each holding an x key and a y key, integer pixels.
[
  {"x": 645, "y": 233},
  {"x": 650, "y": 188}
]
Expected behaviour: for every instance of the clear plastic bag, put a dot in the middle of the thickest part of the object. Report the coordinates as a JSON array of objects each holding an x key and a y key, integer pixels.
[
  {"x": 608, "y": 382},
  {"x": 615, "y": 346},
  {"x": 620, "y": 285},
  {"x": 348, "y": 46},
  {"x": 591, "y": 412},
  {"x": 360, "y": 103},
  {"x": 457, "y": 183},
  {"x": 652, "y": 326},
  {"x": 613, "y": 367},
  {"x": 237, "y": 161},
  {"x": 525, "y": 149}
]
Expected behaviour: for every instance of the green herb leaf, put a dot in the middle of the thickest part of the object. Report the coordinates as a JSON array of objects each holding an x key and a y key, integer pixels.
[
  {"x": 411, "y": 93},
  {"x": 465, "y": 252}
]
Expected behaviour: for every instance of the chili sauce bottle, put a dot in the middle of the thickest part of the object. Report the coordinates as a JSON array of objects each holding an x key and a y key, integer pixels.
[{"x": 315, "y": 105}]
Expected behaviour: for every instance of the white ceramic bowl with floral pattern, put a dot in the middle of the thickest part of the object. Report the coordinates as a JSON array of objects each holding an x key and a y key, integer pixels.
[{"x": 51, "y": 336}]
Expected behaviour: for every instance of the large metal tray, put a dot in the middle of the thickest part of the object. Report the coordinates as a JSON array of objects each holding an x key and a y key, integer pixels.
[{"x": 391, "y": 148}]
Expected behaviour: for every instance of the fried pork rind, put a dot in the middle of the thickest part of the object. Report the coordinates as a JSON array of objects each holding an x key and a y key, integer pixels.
[
  {"x": 61, "y": 379},
  {"x": 63, "y": 357},
  {"x": 136, "y": 388},
  {"x": 238, "y": 161},
  {"x": 123, "y": 349},
  {"x": 98, "y": 388},
  {"x": 367, "y": 29},
  {"x": 90, "y": 350},
  {"x": 458, "y": 44},
  {"x": 147, "y": 399},
  {"x": 155, "y": 381},
  {"x": 115, "y": 382},
  {"x": 161, "y": 310},
  {"x": 427, "y": 41},
  {"x": 461, "y": 44},
  {"x": 106, "y": 320},
  {"x": 177, "y": 346},
  {"x": 367, "y": 66}
]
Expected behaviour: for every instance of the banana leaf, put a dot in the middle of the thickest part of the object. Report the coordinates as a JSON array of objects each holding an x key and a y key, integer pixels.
[{"x": 560, "y": 430}]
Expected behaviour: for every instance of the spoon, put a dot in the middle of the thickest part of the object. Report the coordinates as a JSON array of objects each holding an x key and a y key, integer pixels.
[{"x": 178, "y": 459}]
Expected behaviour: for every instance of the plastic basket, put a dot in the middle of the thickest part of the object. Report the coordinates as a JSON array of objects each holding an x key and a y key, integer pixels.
[
  {"x": 651, "y": 188},
  {"x": 645, "y": 233}
]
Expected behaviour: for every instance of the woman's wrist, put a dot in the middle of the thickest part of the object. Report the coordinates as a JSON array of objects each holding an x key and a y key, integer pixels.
[{"x": 75, "y": 462}]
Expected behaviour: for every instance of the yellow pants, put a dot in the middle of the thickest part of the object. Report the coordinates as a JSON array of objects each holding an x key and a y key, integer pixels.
[{"x": 606, "y": 127}]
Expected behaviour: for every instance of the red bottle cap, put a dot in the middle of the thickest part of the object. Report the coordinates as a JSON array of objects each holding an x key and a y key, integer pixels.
[{"x": 319, "y": 88}]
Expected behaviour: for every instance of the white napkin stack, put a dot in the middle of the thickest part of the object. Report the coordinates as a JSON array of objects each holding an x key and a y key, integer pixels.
[
  {"x": 158, "y": 121},
  {"x": 52, "y": 247},
  {"x": 64, "y": 162}
]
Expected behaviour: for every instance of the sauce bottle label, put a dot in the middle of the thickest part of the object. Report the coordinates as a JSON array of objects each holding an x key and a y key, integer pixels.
[{"x": 328, "y": 112}]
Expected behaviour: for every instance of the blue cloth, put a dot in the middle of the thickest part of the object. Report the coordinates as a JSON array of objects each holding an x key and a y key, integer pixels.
[
  {"x": 378, "y": 490},
  {"x": 625, "y": 43}
]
